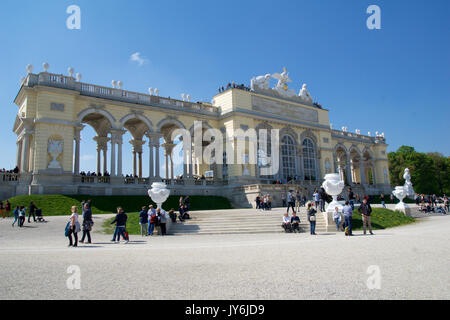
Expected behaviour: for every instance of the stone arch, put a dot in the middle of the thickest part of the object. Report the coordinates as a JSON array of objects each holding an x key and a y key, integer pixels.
[
  {"x": 340, "y": 145},
  {"x": 168, "y": 121},
  {"x": 368, "y": 151},
  {"x": 289, "y": 132},
  {"x": 138, "y": 116},
  {"x": 101, "y": 111},
  {"x": 356, "y": 149},
  {"x": 309, "y": 134}
]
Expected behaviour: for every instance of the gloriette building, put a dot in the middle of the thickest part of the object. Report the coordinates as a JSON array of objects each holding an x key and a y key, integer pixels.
[{"x": 53, "y": 109}]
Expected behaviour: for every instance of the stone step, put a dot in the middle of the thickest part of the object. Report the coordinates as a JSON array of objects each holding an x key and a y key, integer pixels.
[{"x": 240, "y": 222}]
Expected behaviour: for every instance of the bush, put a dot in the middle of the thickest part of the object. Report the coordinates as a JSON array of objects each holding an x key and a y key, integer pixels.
[{"x": 57, "y": 205}]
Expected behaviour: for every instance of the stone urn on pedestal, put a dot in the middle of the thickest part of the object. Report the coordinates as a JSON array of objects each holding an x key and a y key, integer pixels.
[
  {"x": 333, "y": 186},
  {"x": 159, "y": 193},
  {"x": 400, "y": 193}
]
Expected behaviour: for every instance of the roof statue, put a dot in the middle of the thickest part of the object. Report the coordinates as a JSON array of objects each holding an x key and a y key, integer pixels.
[
  {"x": 261, "y": 84},
  {"x": 304, "y": 94}
]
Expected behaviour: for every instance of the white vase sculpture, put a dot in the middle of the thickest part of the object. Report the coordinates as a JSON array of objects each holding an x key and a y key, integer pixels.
[
  {"x": 400, "y": 192},
  {"x": 333, "y": 186},
  {"x": 159, "y": 193}
]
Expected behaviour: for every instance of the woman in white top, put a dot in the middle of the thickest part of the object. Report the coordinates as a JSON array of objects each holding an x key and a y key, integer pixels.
[{"x": 74, "y": 227}]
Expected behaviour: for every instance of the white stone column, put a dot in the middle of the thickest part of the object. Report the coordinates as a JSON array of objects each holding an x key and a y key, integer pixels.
[
  {"x": 105, "y": 160},
  {"x": 25, "y": 153},
  {"x": 362, "y": 173},
  {"x": 19, "y": 154},
  {"x": 157, "y": 168},
  {"x": 151, "y": 173},
  {"x": 172, "y": 176},
  {"x": 99, "y": 159},
  {"x": 113, "y": 157},
  {"x": 167, "y": 165},
  {"x": 119, "y": 160},
  {"x": 77, "y": 138},
  {"x": 140, "y": 164},
  {"x": 77, "y": 156},
  {"x": 134, "y": 163},
  {"x": 348, "y": 172}
]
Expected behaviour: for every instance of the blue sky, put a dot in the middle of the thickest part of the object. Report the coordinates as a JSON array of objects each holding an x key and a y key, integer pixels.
[{"x": 394, "y": 80}]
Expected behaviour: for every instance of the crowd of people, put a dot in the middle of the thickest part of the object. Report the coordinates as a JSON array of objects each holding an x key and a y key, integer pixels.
[
  {"x": 15, "y": 170},
  {"x": 432, "y": 203},
  {"x": 232, "y": 85},
  {"x": 19, "y": 213},
  {"x": 94, "y": 174},
  {"x": 264, "y": 202}
]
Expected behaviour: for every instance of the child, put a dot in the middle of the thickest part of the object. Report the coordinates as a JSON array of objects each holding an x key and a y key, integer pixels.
[
  {"x": 16, "y": 216},
  {"x": 337, "y": 218}
]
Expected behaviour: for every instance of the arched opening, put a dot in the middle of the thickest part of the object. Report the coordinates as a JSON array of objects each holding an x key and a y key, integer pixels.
[
  {"x": 91, "y": 158},
  {"x": 135, "y": 146},
  {"x": 342, "y": 165},
  {"x": 309, "y": 160},
  {"x": 288, "y": 155}
]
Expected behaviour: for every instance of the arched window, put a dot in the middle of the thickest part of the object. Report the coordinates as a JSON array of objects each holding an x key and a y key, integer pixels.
[
  {"x": 309, "y": 159},
  {"x": 288, "y": 157}
]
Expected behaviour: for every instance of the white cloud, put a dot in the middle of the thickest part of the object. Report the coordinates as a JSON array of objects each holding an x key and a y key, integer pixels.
[
  {"x": 136, "y": 57},
  {"x": 87, "y": 157}
]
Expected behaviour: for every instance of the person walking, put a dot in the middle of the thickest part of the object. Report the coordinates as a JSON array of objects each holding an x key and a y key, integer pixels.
[
  {"x": 312, "y": 218},
  {"x": 365, "y": 209},
  {"x": 291, "y": 202},
  {"x": 88, "y": 223},
  {"x": 348, "y": 217},
  {"x": 322, "y": 198},
  {"x": 337, "y": 218},
  {"x": 316, "y": 198},
  {"x": 143, "y": 221},
  {"x": 32, "y": 212},
  {"x": 298, "y": 200},
  {"x": 2, "y": 209},
  {"x": 351, "y": 198},
  {"x": 74, "y": 227},
  {"x": 258, "y": 202},
  {"x": 22, "y": 216},
  {"x": 16, "y": 216},
  {"x": 121, "y": 222},
  {"x": 382, "y": 201}
]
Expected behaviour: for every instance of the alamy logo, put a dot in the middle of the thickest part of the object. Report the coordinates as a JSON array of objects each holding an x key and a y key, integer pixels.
[
  {"x": 74, "y": 281},
  {"x": 74, "y": 20},
  {"x": 374, "y": 21},
  {"x": 374, "y": 280}
]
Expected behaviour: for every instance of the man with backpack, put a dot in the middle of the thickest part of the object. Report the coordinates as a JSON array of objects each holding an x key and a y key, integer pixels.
[{"x": 365, "y": 209}]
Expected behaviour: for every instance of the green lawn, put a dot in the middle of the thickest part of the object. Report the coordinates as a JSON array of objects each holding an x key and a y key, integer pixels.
[
  {"x": 57, "y": 205},
  {"x": 133, "y": 226},
  {"x": 382, "y": 219}
]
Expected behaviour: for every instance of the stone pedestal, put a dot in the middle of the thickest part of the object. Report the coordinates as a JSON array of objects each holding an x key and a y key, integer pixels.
[{"x": 403, "y": 207}]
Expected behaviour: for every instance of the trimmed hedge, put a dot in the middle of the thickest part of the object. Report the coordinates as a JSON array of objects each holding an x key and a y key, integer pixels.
[{"x": 57, "y": 205}]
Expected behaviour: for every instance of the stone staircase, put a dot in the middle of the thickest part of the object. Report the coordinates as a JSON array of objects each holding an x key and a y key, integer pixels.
[{"x": 240, "y": 221}]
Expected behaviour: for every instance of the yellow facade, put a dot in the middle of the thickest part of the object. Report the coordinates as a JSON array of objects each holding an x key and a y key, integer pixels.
[{"x": 56, "y": 108}]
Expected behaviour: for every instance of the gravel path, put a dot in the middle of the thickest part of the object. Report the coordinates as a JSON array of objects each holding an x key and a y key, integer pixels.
[{"x": 414, "y": 263}]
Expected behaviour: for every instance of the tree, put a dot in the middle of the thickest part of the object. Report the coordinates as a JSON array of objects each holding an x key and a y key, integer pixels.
[{"x": 429, "y": 172}]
